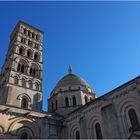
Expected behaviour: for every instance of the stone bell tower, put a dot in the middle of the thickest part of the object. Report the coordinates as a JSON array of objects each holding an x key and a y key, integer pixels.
[{"x": 21, "y": 75}]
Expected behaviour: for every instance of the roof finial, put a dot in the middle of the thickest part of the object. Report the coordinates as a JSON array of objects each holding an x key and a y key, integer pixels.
[{"x": 70, "y": 70}]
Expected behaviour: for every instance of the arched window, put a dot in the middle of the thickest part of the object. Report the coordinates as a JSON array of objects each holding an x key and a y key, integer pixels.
[
  {"x": 31, "y": 71},
  {"x": 19, "y": 67},
  {"x": 98, "y": 131},
  {"x": 25, "y": 31},
  {"x": 36, "y": 56},
  {"x": 37, "y": 37},
  {"x": 77, "y": 135},
  {"x": 23, "y": 82},
  {"x": 22, "y": 68},
  {"x": 86, "y": 99},
  {"x": 22, "y": 39},
  {"x": 16, "y": 80},
  {"x": 36, "y": 86},
  {"x": 28, "y": 42},
  {"x": 24, "y": 136},
  {"x": 36, "y": 46},
  {"x": 24, "y": 102},
  {"x": 66, "y": 101},
  {"x": 74, "y": 100},
  {"x": 56, "y": 104},
  {"x": 29, "y": 53},
  {"x": 33, "y": 35},
  {"x": 29, "y": 33},
  {"x": 134, "y": 120},
  {"x": 20, "y": 50},
  {"x": 90, "y": 99},
  {"x": 34, "y": 72},
  {"x": 52, "y": 107},
  {"x": 30, "y": 84}
]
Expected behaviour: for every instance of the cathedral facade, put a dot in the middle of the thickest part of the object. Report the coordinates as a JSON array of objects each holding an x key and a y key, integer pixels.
[{"x": 74, "y": 111}]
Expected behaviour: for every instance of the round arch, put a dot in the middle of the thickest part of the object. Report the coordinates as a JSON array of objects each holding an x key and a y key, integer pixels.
[
  {"x": 24, "y": 133},
  {"x": 19, "y": 97},
  {"x": 35, "y": 64},
  {"x": 21, "y": 65},
  {"x": 74, "y": 128},
  {"x": 22, "y": 124},
  {"x": 17, "y": 75},
  {"x": 37, "y": 56},
  {"x": 37, "y": 85},
  {"x": 96, "y": 118},
  {"x": 29, "y": 53},
  {"x": 34, "y": 69},
  {"x": 18, "y": 59},
  {"x": 124, "y": 106},
  {"x": 18, "y": 49},
  {"x": 30, "y": 83}
]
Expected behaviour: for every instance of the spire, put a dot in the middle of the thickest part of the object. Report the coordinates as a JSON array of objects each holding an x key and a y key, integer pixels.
[{"x": 70, "y": 70}]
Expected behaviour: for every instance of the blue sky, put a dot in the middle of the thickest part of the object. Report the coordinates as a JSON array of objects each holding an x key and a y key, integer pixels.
[{"x": 100, "y": 40}]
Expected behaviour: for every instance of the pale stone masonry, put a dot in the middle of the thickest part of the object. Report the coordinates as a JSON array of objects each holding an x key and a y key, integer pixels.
[
  {"x": 22, "y": 72},
  {"x": 74, "y": 111}
]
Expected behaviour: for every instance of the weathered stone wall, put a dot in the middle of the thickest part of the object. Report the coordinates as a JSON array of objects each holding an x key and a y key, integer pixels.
[{"x": 110, "y": 111}]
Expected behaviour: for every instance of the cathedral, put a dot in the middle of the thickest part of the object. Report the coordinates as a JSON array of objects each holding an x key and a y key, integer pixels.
[{"x": 74, "y": 111}]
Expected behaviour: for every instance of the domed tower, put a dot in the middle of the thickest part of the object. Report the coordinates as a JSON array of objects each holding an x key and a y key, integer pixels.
[{"x": 70, "y": 93}]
